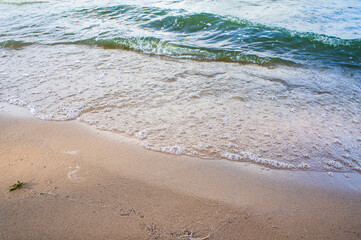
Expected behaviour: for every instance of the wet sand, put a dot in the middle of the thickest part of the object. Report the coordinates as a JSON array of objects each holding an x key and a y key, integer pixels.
[{"x": 81, "y": 183}]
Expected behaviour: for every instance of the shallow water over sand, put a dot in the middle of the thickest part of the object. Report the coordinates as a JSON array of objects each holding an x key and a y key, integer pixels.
[{"x": 279, "y": 116}]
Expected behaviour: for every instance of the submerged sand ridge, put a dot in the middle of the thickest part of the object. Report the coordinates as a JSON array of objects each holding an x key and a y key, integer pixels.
[
  {"x": 284, "y": 117},
  {"x": 84, "y": 183}
]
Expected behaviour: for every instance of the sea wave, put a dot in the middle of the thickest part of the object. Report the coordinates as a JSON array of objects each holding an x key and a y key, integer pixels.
[
  {"x": 154, "y": 46},
  {"x": 12, "y": 44},
  {"x": 182, "y": 34}
]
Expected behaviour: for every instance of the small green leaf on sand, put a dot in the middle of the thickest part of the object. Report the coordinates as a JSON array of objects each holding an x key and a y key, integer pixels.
[{"x": 15, "y": 186}]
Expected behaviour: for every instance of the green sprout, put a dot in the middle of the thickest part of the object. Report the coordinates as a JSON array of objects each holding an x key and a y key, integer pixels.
[{"x": 15, "y": 186}]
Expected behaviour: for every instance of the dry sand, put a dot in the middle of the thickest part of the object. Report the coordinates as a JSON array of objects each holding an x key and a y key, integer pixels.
[{"x": 81, "y": 183}]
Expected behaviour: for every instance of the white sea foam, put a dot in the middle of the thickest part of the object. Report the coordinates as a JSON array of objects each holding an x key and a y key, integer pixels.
[
  {"x": 177, "y": 150},
  {"x": 46, "y": 117},
  {"x": 304, "y": 166},
  {"x": 335, "y": 164},
  {"x": 32, "y": 110},
  {"x": 270, "y": 116},
  {"x": 246, "y": 156},
  {"x": 142, "y": 134},
  {"x": 16, "y": 101}
]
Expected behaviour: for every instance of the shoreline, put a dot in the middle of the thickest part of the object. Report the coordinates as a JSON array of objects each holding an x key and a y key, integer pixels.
[
  {"x": 205, "y": 109},
  {"x": 74, "y": 170}
]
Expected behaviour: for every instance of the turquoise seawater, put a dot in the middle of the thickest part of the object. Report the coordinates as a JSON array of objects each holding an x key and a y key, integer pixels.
[{"x": 202, "y": 30}]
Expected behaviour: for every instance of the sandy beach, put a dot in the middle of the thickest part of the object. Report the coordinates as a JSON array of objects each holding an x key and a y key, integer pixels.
[{"x": 82, "y": 183}]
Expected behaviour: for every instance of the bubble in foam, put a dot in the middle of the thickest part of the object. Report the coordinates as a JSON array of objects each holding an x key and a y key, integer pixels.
[
  {"x": 250, "y": 157},
  {"x": 70, "y": 113},
  {"x": 335, "y": 164},
  {"x": 32, "y": 110},
  {"x": 147, "y": 145},
  {"x": 304, "y": 166},
  {"x": 47, "y": 117},
  {"x": 177, "y": 150},
  {"x": 16, "y": 101},
  {"x": 142, "y": 134},
  {"x": 199, "y": 147}
]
